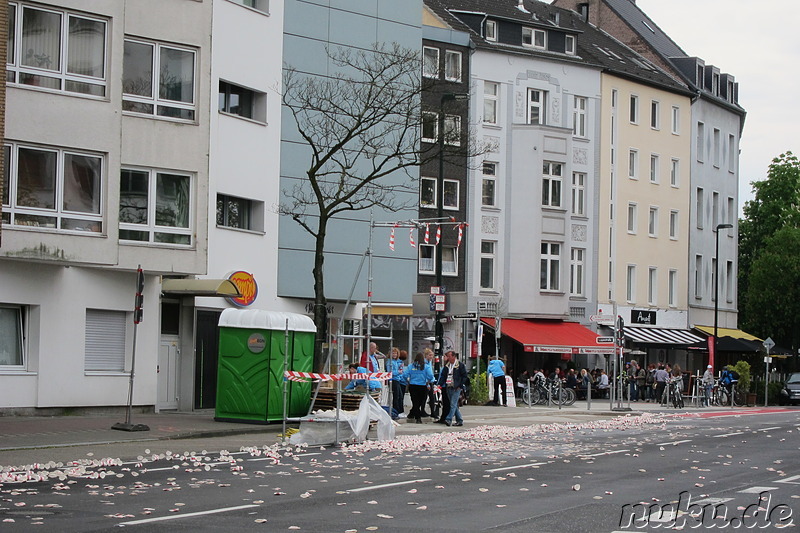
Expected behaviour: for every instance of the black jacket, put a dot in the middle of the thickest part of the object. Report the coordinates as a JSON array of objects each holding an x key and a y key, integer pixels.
[{"x": 459, "y": 375}]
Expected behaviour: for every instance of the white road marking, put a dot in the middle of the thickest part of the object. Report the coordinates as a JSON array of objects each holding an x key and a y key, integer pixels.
[
  {"x": 793, "y": 480},
  {"x": 186, "y": 515},
  {"x": 769, "y": 429},
  {"x": 757, "y": 490},
  {"x": 514, "y": 467},
  {"x": 374, "y": 487},
  {"x": 674, "y": 443},
  {"x": 728, "y": 434},
  {"x": 604, "y": 453},
  {"x": 712, "y": 501},
  {"x": 272, "y": 458},
  {"x": 162, "y": 469}
]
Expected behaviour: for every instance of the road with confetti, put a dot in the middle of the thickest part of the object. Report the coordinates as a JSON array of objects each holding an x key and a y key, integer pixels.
[{"x": 619, "y": 474}]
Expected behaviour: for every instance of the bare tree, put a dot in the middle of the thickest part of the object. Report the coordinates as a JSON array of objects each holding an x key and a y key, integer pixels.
[{"x": 362, "y": 124}]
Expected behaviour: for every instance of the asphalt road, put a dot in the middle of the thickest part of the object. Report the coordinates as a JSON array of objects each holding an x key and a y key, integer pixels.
[{"x": 560, "y": 478}]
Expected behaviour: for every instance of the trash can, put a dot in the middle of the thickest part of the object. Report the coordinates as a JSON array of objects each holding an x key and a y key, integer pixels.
[{"x": 252, "y": 347}]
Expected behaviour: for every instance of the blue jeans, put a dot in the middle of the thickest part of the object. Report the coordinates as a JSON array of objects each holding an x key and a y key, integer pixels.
[{"x": 453, "y": 394}]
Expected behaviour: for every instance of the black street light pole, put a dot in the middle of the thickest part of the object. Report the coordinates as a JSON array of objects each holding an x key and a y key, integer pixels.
[{"x": 716, "y": 281}]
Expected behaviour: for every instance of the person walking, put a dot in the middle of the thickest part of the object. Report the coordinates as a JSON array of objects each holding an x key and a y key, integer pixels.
[
  {"x": 708, "y": 384},
  {"x": 497, "y": 368},
  {"x": 661, "y": 376},
  {"x": 397, "y": 368},
  {"x": 452, "y": 378},
  {"x": 418, "y": 376}
]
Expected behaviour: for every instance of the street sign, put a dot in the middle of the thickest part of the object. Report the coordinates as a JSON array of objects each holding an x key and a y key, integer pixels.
[
  {"x": 769, "y": 343},
  {"x": 605, "y": 340},
  {"x": 599, "y": 318},
  {"x": 768, "y": 359},
  {"x": 438, "y": 290},
  {"x": 465, "y": 316}
]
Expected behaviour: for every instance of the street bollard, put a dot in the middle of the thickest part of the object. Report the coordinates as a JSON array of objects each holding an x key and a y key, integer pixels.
[{"x": 589, "y": 396}]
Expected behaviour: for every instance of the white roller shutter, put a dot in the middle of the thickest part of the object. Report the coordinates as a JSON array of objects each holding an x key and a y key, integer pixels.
[{"x": 105, "y": 341}]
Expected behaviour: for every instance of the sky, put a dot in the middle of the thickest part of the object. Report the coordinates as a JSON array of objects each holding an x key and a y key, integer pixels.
[{"x": 758, "y": 42}]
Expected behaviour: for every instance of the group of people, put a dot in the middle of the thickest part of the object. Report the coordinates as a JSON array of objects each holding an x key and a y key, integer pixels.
[{"x": 417, "y": 378}]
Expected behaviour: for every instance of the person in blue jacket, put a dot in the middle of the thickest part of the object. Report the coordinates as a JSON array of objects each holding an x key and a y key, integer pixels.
[
  {"x": 398, "y": 382},
  {"x": 374, "y": 384},
  {"x": 418, "y": 375},
  {"x": 497, "y": 368}
]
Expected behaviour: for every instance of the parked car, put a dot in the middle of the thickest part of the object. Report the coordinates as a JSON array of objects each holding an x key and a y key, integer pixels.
[{"x": 790, "y": 391}]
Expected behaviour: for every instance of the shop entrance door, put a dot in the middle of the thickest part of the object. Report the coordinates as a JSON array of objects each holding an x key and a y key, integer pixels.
[{"x": 205, "y": 359}]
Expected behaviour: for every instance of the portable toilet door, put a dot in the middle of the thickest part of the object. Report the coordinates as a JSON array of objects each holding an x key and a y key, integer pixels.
[{"x": 252, "y": 345}]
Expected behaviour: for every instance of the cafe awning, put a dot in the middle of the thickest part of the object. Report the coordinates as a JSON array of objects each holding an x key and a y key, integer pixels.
[
  {"x": 551, "y": 336},
  {"x": 200, "y": 287},
  {"x": 728, "y": 332},
  {"x": 651, "y": 335}
]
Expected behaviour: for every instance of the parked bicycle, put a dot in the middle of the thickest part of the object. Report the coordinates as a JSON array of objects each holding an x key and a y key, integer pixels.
[
  {"x": 675, "y": 385},
  {"x": 540, "y": 391},
  {"x": 722, "y": 395}
]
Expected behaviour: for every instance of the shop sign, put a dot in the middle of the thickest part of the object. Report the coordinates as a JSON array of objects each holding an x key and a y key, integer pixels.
[
  {"x": 643, "y": 317},
  {"x": 247, "y": 286}
]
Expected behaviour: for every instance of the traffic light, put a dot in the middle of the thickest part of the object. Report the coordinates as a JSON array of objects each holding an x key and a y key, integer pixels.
[
  {"x": 620, "y": 331},
  {"x": 139, "y": 299}
]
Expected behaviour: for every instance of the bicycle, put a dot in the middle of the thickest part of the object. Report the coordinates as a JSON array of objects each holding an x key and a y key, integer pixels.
[
  {"x": 539, "y": 391},
  {"x": 675, "y": 394},
  {"x": 721, "y": 395}
]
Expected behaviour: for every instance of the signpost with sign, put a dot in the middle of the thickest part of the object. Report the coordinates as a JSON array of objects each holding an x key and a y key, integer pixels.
[{"x": 768, "y": 344}]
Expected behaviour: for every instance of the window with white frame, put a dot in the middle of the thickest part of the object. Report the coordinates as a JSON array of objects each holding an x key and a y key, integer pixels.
[
  {"x": 630, "y": 284},
  {"x": 700, "y": 207},
  {"x": 673, "y": 288},
  {"x": 652, "y": 222},
  {"x": 731, "y": 213},
  {"x": 450, "y": 194},
  {"x": 449, "y": 261},
  {"x": 576, "y": 269},
  {"x": 258, "y": 5},
  {"x": 550, "y": 266},
  {"x": 491, "y": 92},
  {"x": 634, "y": 109},
  {"x": 698, "y": 276},
  {"x": 676, "y": 120},
  {"x": 632, "y": 218},
  {"x": 57, "y": 50},
  {"x": 536, "y": 106},
  {"x": 717, "y": 147},
  {"x": 579, "y": 116},
  {"x": 652, "y": 285},
  {"x": 489, "y": 184},
  {"x": 534, "y": 38},
  {"x": 569, "y": 45},
  {"x": 430, "y": 62},
  {"x": 239, "y": 213},
  {"x": 158, "y": 79},
  {"x": 655, "y": 111},
  {"x": 104, "y": 346},
  {"x": 427, "y": 192},
  {"x": 700, "y": 142},
  {"x": 155, "y": 206},
  {"x": 452, "y": 130},
  {"x": 551, "y": 184},
  {"x": 452, "y": 65},
  {"x": 490, "y": 32},
  {"x": 675, "y": 172},
  {"x": 487, "y": 264},
  {"x": 12, "y": 336},
  {"x": 633, "y": 164},
  {"x": 579, "y": 193},
  {"x": 653, "y": 168},
  {"x": 54, "y": 188},
  {"x": 729, "y": 281},
  {"x": 430, "y": 127},
  {"x": 243, "y": 102},
  {"x": 427, "y": 259},
  {"x": 731, "y": 153},
  {"x": 673, "y": 224}
]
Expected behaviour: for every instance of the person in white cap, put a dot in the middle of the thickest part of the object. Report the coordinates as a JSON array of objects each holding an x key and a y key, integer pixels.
[{"x": 708, "y": 384}]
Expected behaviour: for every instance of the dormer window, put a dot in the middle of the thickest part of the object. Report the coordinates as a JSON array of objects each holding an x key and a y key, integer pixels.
[
  {"x": 700, "y": 75},
  {"x": 715, "y": 84},
  {"x": 731, "y": 95},
  {"x": 534, "y": 38},
  {"x": 491, "y": 30},
  {"x": 569, "y": 46}
]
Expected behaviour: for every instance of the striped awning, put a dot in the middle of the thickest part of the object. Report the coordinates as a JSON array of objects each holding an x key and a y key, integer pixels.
[{"x": 661, "y": 335}]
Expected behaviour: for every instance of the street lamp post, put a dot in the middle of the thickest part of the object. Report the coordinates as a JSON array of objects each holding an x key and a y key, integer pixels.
[{"x": 716, "y": 283}]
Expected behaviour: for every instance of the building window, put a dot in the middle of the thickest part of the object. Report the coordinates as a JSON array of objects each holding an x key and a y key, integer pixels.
[
  {"x": 632, "y": 218},
  {"x": 452, "y": 65},
  {"x": 633, "y": 164},
  {"x": 56, "y": 50},
  {"x": 698, "y": 276},
  {"x": 673, "y": 288},
  {"x": 450, "y": 194},
  {"x": 551, "y": 184},
  {"x": 155, "y": 207},
  {"x": 52, "y": 188},
  {"x": 569, "y": 45},
  {"x": 729, "y": 280},
  {"x": 239, "y": 213},
  {"x": 714, "y": 209},
  {"x": 430, "y": 127},
  {"x": 12, "y": 336},
  {"x": 170, "y": 92},
  {"x": 491, "y": 30},
  {"x": 653, "y": 168},
  {"x": 534, "y": 38},
  {"x": 713, "y": 277},
  {"x": 430, "y": 62},
  {"x": 634, "y": 111},
  {"x": 675, "y": 172},
  {"x": 491, "y": 91},
  {"x": 105, "y": 341},
  {"x": 489, "y": 185},
  {"x": 652, "y": 286},
  {"x": 630, "y": 284},
  {"x": 579, "y": 116},
  {"x": 449, "y": 261},
  {"x": 578, "y": 193},
  {"x": 243, "y": 102},
  {"x": 731, "y": 153},
  {"x": 427, "y": 192},
  {"x": 427, "y": 259},
  {"x": 452, "y": 130},
  {"x": 655, "y": 108},
  {"x": 715, "y": 84},
  {"x": 699, "y": 207},
  {"x": 576, "y": 265},
  {"x": 717, "y": 147},
  {"x": 731, "y": 214},
  {"x": 701, "y": 134},
  {"x": 676, "y": 120},
  {"x": 487, "y": 264},
  {"x": 258, "y": 5},
  {"x": 673, "y": 225},
  {"x": 536, "y": 106},
  {"x": 550, "y": 266},
  {"x": 652, "y": 222}
]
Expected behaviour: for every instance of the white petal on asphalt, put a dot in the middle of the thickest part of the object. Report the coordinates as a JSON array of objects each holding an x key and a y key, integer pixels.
[
  {"x": 385, "y": 516},
  {"x": 422, "y": 507}
]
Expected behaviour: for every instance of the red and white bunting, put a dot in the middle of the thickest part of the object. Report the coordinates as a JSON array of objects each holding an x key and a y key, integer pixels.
[
  {"x": 460, "y": 235},
  {"x": 438, "y": 234},
  {"x": 427, "y": 233},
  {"x": 391, "y": 239},
  {"x": 411, "y": 237}
]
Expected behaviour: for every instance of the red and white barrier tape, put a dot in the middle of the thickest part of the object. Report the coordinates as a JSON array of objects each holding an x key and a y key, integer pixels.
[{"x": 293, "y": 375}]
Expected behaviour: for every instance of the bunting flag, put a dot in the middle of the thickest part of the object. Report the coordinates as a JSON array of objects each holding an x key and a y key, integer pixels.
[
  {"x": 411, "y": 238},
  {"x": 460, "y": 235},
  {"x": 391, "y": 239},
  {"x": 438, "y": 234},
  {"x": 427, "y": 233}
]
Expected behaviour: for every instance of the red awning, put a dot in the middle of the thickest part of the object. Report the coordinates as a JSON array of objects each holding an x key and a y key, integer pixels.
[{"x": 551, "y": 336}]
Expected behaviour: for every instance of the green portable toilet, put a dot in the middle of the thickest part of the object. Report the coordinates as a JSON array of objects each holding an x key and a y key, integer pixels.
[{"x": 252, "y": 343}]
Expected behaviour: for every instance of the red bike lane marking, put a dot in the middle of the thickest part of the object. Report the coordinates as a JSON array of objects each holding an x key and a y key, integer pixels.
[{"x": 733, "y": 412}]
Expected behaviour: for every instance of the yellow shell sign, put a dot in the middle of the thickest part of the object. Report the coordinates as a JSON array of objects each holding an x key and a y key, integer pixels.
[{"x": 247, "y": 285}]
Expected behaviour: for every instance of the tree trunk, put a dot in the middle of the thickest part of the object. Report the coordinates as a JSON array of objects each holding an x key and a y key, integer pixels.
[{"x": 320, "y": 303}]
